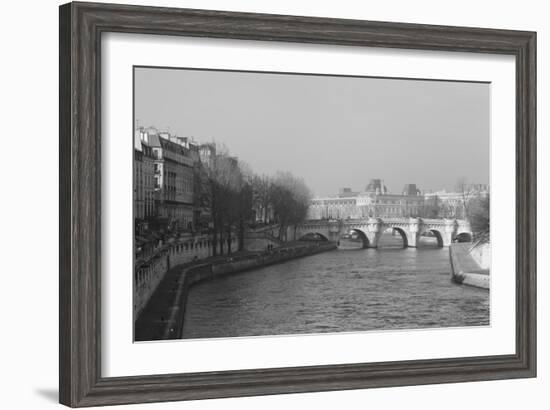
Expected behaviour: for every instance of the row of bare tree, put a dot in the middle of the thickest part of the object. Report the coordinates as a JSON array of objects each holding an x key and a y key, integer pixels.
[
  {"x": 473, "y": 205},
  {"x": 283, "y": 198},
  {"x": 234, "y": 196}
]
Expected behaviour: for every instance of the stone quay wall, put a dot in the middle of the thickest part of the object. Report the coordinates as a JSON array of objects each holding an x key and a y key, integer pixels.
[
  {"x": 259, "y": 241},
  {"x": 150, "y": 273},
  {"x": 482, "y": 255},
  {"x": 470, "y": 264}
]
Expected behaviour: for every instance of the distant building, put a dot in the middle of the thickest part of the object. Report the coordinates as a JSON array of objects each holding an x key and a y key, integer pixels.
[
  {"x": 377, "y": 202},
  {"x": 338, "y": 207},
  {"x": 452, "y": 204},
  {"x": 387, "y": 205},
  {"x": 376, "y": 186},
  {"x": 346, "y": 193},
  {"x": 411, "y": 190}
]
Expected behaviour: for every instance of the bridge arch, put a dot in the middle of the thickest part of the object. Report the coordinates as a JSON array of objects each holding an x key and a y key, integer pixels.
[
  {"x": 314, "y": 237},
  {"x": 463, "y": 237},
  {"x": 438, "y": 236},
  {"x": 363, "y": 236},
  {"x": 403, "y": 234}
]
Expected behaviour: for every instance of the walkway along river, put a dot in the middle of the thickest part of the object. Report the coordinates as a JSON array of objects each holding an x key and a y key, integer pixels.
[{"x": 339, "y": 291}]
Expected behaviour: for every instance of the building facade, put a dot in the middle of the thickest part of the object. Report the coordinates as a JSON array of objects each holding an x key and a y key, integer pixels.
[
  {"x": 144, "y": 183},
  {"x": 377, "y": 202},
  {"x": 174, "y": 160}
]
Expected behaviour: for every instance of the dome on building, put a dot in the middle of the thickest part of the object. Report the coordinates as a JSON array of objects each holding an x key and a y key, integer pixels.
[
  {"x": 411, "y": 189},
  {"x": 376, "y": 185}
]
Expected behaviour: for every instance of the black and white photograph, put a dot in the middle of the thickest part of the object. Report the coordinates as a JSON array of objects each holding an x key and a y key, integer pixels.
[{"x": 270, "y": 203}]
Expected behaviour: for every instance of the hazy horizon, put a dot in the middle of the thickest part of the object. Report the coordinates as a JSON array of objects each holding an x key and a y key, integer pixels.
[{"x": 333, "y": 131}]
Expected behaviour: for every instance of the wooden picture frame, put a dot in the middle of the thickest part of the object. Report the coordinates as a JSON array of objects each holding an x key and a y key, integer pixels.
[{"x": 81, "y": 27}]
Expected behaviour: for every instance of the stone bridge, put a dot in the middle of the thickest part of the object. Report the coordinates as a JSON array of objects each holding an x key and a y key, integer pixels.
[{"x": 371, "y": 229}]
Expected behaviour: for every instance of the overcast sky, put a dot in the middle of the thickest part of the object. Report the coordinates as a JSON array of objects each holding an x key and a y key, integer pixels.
[{"x": 332, "y": 131}]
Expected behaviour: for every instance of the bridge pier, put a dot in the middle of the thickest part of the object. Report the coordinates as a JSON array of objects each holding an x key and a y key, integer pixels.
[
  {"x": 413, "y": 233},
  {"x": 449, "y": 233},
  {"x": 374, "y": 231}
]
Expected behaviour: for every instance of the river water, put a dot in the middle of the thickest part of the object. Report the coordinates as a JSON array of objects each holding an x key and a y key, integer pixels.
[{"x": 339, "y": 291}]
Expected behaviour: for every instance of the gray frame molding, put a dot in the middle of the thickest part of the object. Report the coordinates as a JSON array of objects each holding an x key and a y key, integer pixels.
[{"x": 81, "y": 26}]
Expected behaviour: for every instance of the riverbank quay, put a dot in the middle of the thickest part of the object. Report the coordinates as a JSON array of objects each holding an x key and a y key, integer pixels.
[
  {"x": 154, "y": 260},
  {"x": 470, "y": 264},
  {"x": 162, "y": 318}
]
